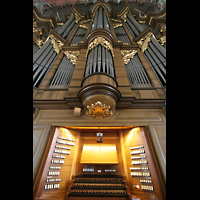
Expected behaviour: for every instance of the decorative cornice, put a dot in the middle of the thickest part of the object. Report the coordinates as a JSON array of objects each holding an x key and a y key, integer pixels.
[
  {"x": 96, "y": 5},
  {"x": 154, "y": 15},
  {"x": 123, "y": 103},
  {"x": 39, "y": 17},
  {"x": 123, "y": 14},
  {"x": 78, "y": 16}
]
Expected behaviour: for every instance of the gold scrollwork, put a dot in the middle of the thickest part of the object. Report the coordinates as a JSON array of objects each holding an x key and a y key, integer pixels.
[
  {"x": 57, "y": 44},
  {"x": 143, "y": 43},
  {"x": 72, "y": 55},
  {"x": 127, "y": 55},
  {"x": 103, "y": 42},
  {"x": 162, "y": 40}
]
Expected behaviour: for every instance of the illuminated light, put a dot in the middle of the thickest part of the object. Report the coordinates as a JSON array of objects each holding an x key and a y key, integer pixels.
[
  {"x": 136, "y": 186},
  {"x": 99, "y": 154},
  {"x": 98, "y": 127}
]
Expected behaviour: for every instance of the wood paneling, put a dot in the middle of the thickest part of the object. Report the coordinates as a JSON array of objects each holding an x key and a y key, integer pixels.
[
  {"x": 40, "y": 139},
  {"x": 136, "y": 137},
  {"x": 124, "y": 117},
  {"x": 66, "y": 167},
  {"x": 109, "y": 137}
]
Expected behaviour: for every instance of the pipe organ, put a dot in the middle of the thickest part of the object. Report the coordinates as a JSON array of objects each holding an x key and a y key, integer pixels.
[
  {"x": 99, "y": 60},
  {"x": 136, "y": 73},
  {"x": 66, "y": 30},
  {"x": 156, "y": 57},
  {"x": 100, "y": 20},
  {"x": 63, "y": 74},
  {"x": 111, "y": 66},
  {"x": 43, "y": 59}
]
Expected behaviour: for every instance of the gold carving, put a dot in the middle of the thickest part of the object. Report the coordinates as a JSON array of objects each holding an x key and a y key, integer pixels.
[
  {"x": 39, "y": 42},
  {"x": 143, "y": 43},
  {"x": 85, "y": 26},
  {"x": 72, "y": 55},
  {"x": 57, "y": 44},
  {"x": 124, "y": 13},
  {"x": 128, "y": 54},
  {"x": 103, "y": 42},
  {"x": 162, "y": 40},
  {"x": 116, "y": 24},
  {"x": 98, "y": 110}
]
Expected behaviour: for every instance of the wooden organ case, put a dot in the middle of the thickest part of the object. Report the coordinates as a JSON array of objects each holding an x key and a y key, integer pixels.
[
  {"x": 64, "y": 176},
  {"x": 91, "y": 66}
]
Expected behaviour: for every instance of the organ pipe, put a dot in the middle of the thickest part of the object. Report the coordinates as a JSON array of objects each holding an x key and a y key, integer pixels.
[
  {"x": 100, "y": 20},
  {"x": 99, "y": 60}
]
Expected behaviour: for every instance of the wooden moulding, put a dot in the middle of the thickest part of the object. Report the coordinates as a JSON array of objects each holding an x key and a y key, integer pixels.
[
  {"x": 99, "y": 88},
  {"x": 39, "y": 183},
  {"x": 99, "y": 83}
]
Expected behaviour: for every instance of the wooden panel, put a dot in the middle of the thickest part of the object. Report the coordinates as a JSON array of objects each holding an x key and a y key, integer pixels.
[
  {"x": 134, "y": 138},
  {"x": 99, "y": 154},
  {"x": 124, "y": 117},
  {"x": 40, "y": 138},
  {"x": 66, "y": 167},
  {"x": 158, "y": 136},
  {"x": 89, "y": 137}
]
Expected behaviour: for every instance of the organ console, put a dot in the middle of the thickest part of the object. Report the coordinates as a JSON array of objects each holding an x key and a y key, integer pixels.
[
  {"x": 139, "y": 162},
  {"x": 57, "y": 156},
  {"x": 62, "y": 147},
  {"x": 137, "y": 152},
  {"x": 53, "y": 167},
  {"x": 140, "y": 174},
  {"x": 61, "y": 151},
  {"x": 53, "y": 173},
  {"x": 63, "y": 142},
  {"x": 147, "y": 187},
  {"x": 61, "y": 160},
  {"x": 57, "y": 161},
  {"x": 139, "y": 168},
  {"x": 53, "y": 180},
  {"x": 137, "y": 147},
  {"x": 63, "y": 138},
  {"x": 140, "y": 156},
  {"x": 145, "y": 180},
  {"x": 51, "y": 186}
]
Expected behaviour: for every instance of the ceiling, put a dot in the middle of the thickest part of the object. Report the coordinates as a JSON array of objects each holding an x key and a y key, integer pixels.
[{"x": 45, "y": 6}]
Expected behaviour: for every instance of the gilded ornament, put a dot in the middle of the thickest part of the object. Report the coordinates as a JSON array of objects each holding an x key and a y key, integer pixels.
[
  {"x": 98, "y": 110},
  {"x": 39, "y": 42},
  {"x": 162, "y": 40},
  {"x": 72, "y": 55},
  {"x": 143, "y": 43},
  {"x": 103, "y": 42},
  {"x": 127, "y": 55},
  {"x": 57, "y": 44}
]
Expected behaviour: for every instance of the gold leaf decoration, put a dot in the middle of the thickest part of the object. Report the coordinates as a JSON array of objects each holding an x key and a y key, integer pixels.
[{"x": 98, "y": 110}]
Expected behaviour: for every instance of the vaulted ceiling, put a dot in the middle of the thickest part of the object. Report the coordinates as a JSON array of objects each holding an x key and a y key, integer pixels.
[{"x": 59, "y": 8}]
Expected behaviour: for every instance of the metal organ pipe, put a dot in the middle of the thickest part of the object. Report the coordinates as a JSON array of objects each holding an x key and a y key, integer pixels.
[
  {"x": 99, "y": 60},
  {"x": 94, "y": 25},
  {"x": 100, "y": 20},
  {"x": 135, "y": 23},
  {"x": 105, "y": 21},
  {"x": 63, "y": 28}
]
